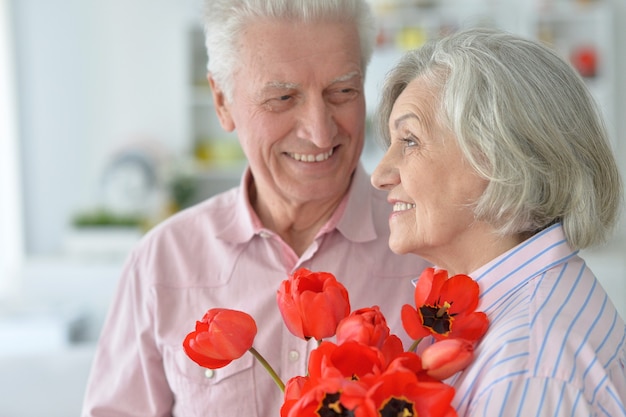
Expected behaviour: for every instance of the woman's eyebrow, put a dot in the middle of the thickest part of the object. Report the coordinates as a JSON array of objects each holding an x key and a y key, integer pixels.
[{"x": 400, "y": 120}]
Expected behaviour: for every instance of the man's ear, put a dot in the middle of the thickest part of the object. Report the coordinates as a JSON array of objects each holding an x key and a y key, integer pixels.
[{"x": 221, "y": 105}]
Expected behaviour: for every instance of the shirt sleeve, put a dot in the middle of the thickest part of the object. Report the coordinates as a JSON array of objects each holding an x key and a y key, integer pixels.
[
  {"x": 542, "y": 397},
  {"x": 127, "y": 377}
]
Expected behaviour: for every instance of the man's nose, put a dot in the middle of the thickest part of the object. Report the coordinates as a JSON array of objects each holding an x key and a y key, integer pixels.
[{"x": 317, "y": 123}]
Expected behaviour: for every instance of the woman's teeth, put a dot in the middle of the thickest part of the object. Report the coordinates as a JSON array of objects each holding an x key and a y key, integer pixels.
[
  {"x": 312, "y": 158},
  {"x": 403, "y": 206}
]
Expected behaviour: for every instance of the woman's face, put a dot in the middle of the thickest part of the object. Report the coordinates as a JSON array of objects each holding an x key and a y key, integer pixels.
[{"x": 431, "y": 186}]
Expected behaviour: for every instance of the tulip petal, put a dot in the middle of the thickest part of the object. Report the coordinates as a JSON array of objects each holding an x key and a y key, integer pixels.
[
  {"x": 412, "y": 322},
  {"x": 205, "y": 361},
  {"x": 471, "y": 327},
  {"x": 423, "y": 286},
  {"x": 289, "y": 310},
  {"x": 463, "y": 291}
]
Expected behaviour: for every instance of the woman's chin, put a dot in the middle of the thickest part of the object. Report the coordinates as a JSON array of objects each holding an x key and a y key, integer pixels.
[{"x": 400, "y": 248}]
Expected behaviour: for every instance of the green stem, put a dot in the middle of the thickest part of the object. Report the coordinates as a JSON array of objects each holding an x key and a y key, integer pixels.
[
  {"x": 268, "y": 368},
  {"x": 414, "y": 345}
]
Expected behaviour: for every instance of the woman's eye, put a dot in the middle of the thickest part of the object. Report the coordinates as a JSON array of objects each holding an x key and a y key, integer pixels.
[{"x": 409, "y": 141}]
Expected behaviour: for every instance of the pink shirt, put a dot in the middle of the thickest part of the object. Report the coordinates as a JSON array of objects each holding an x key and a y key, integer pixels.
[
  {"x": 217, "y": 254},
  {"x": 556, "y": 346}
]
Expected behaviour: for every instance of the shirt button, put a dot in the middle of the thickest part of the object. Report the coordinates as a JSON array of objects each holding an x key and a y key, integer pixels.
[
  {"x": 209, "y": 373},
  {"x": 264, "y": 234},
  {"x": 294, "y": 355}
]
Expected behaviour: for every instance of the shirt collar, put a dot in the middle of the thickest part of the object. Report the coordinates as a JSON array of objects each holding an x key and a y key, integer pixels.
[
  {"x": 357, "y": 219},
  {"x": 516, "y": 267},
  {"x": 353, "y": 218},
  {"x": 243, "y": 224}
]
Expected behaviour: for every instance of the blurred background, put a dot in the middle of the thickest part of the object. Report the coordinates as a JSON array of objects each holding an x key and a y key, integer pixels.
[{"x": 107, "y": 128}]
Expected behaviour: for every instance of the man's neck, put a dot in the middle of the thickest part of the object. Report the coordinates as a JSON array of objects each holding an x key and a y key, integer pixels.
[{"x": 297, "y": 223}]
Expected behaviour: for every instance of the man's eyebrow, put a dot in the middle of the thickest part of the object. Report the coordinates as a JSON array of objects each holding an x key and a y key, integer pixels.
[
  {"x": 279, "y": 85},
  {"x": 275, "y": 87},
  {"x": 346, "y": 77}
]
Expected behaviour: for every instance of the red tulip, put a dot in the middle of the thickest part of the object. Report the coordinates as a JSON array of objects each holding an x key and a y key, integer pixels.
[
  {"x": 293, "y": 392},
  {"x": 349, "y": 360},
  {"x": 392, "y": 348},
  {"x": 323, "y": 398},
  {"x": 307, "y": 396},
  {"x": 445, "y": 358},
  {"x": 220, "y": 337},
  {"x": 312, "y": 304},
  {"x": 366, "y": 325},
  {"x": 400, "y": 393},
  {"x": 444, "y": 308},
  {"x": 407, "y": 361}
]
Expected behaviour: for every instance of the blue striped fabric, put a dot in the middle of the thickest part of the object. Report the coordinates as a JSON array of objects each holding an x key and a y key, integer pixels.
[{"x": 555, "y": 346}]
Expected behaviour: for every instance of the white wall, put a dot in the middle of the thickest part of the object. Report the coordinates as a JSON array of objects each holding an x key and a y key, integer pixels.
[
  {"x": 93, "y": 75},
  {"x": 11, "y": 242},
  {"x": 620, "y": 105}
]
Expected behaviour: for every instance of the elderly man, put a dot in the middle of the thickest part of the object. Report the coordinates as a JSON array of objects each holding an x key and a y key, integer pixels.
[{"x": 288, "y": 77}]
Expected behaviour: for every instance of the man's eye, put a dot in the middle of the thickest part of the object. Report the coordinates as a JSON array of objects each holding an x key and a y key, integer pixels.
[
  {"x": 280, "y": 103},
  {"x": 343, "y": 95}
]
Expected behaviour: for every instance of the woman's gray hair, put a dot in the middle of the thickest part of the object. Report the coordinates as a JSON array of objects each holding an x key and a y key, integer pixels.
[
  {"x": 526, "y": 122},
  {"x": 224, "y": 20}
]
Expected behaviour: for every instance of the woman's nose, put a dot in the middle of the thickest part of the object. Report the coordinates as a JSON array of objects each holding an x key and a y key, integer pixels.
[{"x": 385, "y": 175}]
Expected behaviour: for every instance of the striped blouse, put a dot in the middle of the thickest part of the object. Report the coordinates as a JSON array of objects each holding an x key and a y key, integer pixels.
[{"x": 555, "y": 346}]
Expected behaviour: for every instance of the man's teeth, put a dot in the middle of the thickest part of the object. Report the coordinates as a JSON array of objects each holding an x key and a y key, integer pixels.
[
  {"x": 403, "y": 206},
  {"x": 312, "y": 158}
]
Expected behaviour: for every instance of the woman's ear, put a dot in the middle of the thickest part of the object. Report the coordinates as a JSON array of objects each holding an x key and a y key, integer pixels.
[{"x": 221, "y": 105}]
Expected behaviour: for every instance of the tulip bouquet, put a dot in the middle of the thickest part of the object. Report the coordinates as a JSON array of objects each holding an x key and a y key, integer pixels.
[{"x": 365, "y": 371}]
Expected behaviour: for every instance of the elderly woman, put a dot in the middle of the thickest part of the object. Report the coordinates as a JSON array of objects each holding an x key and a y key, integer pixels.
[{"x": 498, "y": 166}]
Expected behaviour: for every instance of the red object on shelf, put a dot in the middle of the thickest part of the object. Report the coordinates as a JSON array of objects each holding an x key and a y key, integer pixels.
[{"x": 585, "y": 59}]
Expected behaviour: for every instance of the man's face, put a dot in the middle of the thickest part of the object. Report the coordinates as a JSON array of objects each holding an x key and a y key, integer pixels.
[{"x": 298, "y": 107}]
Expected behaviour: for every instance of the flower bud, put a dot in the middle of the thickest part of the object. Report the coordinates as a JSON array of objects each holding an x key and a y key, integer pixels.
[
  {"x": 312, "y": 304},
  {"x": 445, "y": 358},
  {"x": 221, "y": 336},
  {"x": 366, "y": 325}
]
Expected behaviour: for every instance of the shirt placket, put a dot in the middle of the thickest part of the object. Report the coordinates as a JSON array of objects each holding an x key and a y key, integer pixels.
[
  {"x": 295, "y": 355},
  {"x": 290, "y": 260}
]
